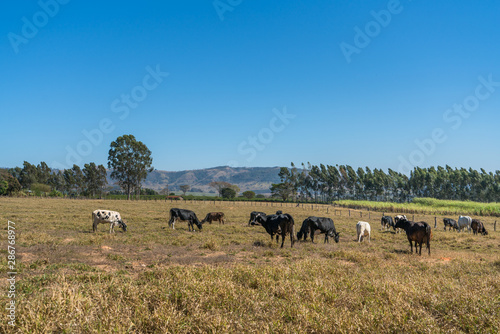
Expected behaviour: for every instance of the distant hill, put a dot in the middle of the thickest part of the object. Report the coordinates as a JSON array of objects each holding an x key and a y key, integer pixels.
[{"x": 257, "y": 179}]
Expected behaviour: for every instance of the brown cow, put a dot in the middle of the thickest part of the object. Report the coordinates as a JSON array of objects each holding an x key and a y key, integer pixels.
[
  {"x": 419, "y": 232},
  {"x": 214, "y": 216},
  {"x": 478, "y": 227}
]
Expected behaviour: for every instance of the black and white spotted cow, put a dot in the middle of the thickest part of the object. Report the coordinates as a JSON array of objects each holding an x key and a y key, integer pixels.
[{"x": 112, "y": 218}]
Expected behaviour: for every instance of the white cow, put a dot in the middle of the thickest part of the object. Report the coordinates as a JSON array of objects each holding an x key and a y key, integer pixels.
[
  {"x": 363, "y": 229},
  {"x": 108, "y": 217},
  {"x": 464, "y": 222}
]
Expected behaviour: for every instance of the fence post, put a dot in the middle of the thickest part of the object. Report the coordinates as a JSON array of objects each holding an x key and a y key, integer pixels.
[
  {"x": 495, "y": 226},
  {"x": 349, "y": 212},
  {"x": 361, "y": 214},
  {"x": 413, "y": 219},
  {"x": 435, "y": 222}
]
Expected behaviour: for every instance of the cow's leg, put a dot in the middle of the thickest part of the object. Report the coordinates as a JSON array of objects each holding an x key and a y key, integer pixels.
[
  {"x": 94, "y": 227},
  {"x": 111, "y": 227},
  {"x": 282, "y": 238},
  {"x": 326, "y": 238},
  {"x": 311, "y": 231},
  {"x": 411, "y": 245}
]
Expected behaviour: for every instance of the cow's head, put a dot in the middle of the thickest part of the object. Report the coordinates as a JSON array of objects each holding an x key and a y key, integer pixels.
[
  {"x": 301, "y": 234},
  {"x": 259, "y": 219},
  {"x": 122, "y": 224},
  {"x": 199, "y": 224},
  {"x": 336, "y": 236}
]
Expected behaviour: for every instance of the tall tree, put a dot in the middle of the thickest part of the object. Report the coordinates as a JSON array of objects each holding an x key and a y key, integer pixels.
[
  {"x": 219, "y": 185},
  {"x": 78, "y": 179},
  {"x": 184, "y": 188},
  {"x": 130, "y": 161},
  {"x": 28, "y": 175},
  {"x": 95, "y": 179}
]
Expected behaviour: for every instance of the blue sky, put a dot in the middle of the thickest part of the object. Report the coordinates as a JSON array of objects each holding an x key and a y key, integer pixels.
[{"x": 252, "y": 83}]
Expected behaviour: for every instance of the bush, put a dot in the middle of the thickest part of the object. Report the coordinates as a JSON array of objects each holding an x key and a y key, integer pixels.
[
  {"x": 248, "y": 194},
  {"x": 55, "y": 193},
  {"x": 228, "y": 193},
  {"x": 39, "y": 188}
]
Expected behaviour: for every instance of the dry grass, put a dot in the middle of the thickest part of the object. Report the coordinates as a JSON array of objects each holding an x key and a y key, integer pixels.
[{"x": 232, "y": 278}]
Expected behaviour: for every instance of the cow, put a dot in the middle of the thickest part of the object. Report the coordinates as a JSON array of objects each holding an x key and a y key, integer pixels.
[
  {"x": 184, "y": 215},
  {"x": 278, "y": 224},
  {"x": 254, "y": 215},
  {"x": 478, "y": 227},
  {"x": 419, "y": 232},
  {"x": 386, "y": 222},
  {"x": 317, "y": 225},
  {"x": 396, "y": 218},
  {"x": 113, "y": 218},
  {"x": 464, "y": 222},
  {"x": 451, "y": 223},
  {"x": 214, "y": 216},
  {"x": 363, "y": 229}
]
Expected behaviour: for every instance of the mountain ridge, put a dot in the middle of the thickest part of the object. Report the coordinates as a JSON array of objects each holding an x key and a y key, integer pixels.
[{"x": 257, "y": 179}]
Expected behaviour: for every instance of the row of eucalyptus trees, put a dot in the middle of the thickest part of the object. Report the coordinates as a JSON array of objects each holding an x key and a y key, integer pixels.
[{"x": 326, "y": 183}]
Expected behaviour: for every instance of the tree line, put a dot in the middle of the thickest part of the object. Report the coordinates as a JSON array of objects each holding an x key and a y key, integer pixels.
[
  {"x": 129, "y": 160},
  {"x": 90, "y": 181},
  {"x": 326, "y": 183}
]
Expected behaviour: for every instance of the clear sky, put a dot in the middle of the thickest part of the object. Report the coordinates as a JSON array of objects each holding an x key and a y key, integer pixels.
[{"x": 384, "y": 84}]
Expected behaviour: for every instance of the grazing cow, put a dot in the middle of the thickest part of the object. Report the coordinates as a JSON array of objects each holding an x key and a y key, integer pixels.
[
  {"x": 478, "y": 227},
  {"x": 254, "y": 215},
  {"x": 419, "y": 232},
  {"x": 184, "y": 215},
  {"x": 278, "y": 224},
  {"x": 396, "y": 218},
  {"x": 386, "y": 222},
  {"x": 214, "y": 216},
  {"x": 108, "y": 217},
  {"x": 451, "y": 223},
  {"x": 317, "y": 225},
  {"x": 363, "y": 229},
  {"x": 464, "y": 222}
]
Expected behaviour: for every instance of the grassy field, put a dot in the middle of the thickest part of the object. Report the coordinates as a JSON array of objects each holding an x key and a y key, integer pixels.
[
  {"x": 233, "y": 279},
  {"x": 428, "y": 205}
]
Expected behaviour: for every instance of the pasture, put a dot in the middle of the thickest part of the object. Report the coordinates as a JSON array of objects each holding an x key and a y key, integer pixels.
[{"x": 231, "y": 278}]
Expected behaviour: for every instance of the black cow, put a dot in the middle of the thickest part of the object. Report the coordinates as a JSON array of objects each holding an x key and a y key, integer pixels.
[
  {"x": 478, "y": 227},
  {"x": 451, "y": 223},
  {"x": 278, "y": 224},
  {"x": 419, "y": 232},
  {"x": 254, "y": 215},
  {"x": 316, "y": 225},
  {"x": 185, "y": 215},
  {"x": 386, "y": 222}
]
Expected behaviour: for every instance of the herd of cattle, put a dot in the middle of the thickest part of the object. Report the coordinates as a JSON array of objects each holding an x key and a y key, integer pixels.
[{"x": 283, "y": 224}]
